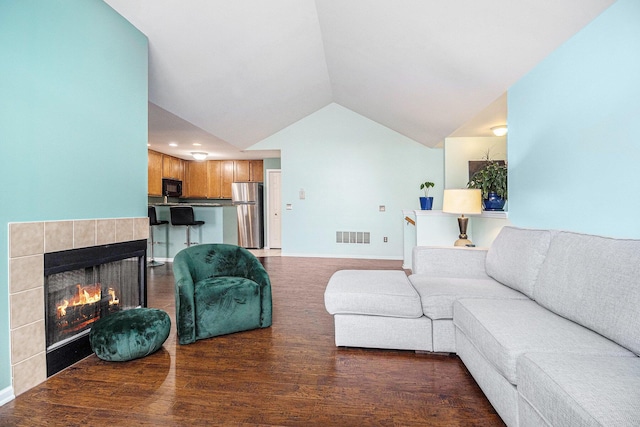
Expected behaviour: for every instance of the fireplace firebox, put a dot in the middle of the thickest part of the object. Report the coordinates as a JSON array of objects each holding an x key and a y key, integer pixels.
[{"x": 84, "y": 285}]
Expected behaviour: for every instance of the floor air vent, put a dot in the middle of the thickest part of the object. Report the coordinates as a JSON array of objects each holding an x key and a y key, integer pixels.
[{"x": 362, "y": 237}]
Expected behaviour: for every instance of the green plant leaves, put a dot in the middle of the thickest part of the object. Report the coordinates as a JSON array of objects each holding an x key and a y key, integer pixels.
[{"x": 491, "y": 178}]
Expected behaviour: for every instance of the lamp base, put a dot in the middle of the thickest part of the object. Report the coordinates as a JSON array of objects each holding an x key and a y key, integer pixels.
[{"x": 462, "y": 242}]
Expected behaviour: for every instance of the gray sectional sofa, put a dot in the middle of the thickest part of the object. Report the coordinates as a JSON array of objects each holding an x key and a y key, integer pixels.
[{"x": 547, "y": 322}]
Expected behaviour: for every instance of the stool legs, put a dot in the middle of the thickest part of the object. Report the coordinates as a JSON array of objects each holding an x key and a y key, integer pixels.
[
  {"x": 189, "y": 242},
  {"x": 153, "y": 262}
]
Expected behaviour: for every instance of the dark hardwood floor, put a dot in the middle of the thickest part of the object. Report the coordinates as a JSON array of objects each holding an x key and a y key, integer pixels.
[{"x": 290, "y": 374}]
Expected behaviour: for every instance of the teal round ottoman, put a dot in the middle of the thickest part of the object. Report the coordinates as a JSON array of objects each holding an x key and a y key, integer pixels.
[{"x": 129, "y": 334}]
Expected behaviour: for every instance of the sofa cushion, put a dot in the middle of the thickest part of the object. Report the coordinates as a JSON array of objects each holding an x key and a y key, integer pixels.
[
  {"x": 569, "y": 389},
  {"x": 372, "y": 292},
  {"x": 503, "y": 330},
  {"x": 438, "y": 293},
  {"x": 594, "y": 281},
  {"x": 515, "y": 257},
  {"x": 446, "y": 261}
]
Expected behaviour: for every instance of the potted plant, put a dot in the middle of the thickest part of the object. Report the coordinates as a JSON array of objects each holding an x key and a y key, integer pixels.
[
  {"x": 426, "y": 202},
  {"x": 492, "y": 180}
]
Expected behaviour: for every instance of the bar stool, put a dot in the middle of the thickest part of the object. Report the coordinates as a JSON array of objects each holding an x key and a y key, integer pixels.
[
  {"x": 153, "y": 221},
  {"x": 183, "y": 215}
]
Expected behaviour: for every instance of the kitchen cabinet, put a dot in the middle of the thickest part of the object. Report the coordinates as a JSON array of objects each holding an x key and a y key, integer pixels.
[
  {"x": 154, "y": 173},
  {"x": 227, "y": 178},
  {"x": 172, "y": 167},
  {"x": 241, "y": 170},
  {"x": 201, "y": 180},
  {"x": 214, "y": 186},
  {"x": 248, "y": 170},
  {"x": 197, "y": 180},
  {"x": 256, "y": 170}
]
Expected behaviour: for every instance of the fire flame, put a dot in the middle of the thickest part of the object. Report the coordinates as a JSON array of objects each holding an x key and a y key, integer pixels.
[
  {"x": 86, "y": 295},
  {"x": 114, "y": 299}
]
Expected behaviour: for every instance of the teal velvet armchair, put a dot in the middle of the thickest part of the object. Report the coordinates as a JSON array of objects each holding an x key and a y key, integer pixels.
[{"x": 220, "y": 289}]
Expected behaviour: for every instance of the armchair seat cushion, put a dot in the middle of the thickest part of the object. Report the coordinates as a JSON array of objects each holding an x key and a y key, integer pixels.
[{"x": 226, "y": 305}]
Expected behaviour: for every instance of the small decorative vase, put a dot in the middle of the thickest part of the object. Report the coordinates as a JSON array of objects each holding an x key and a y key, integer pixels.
[
  {"x": 493, "y": 202},
  {"x": 426, "y": 203}
]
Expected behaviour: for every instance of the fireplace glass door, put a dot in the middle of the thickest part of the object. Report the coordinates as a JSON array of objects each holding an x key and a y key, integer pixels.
[{"x": 77, "y": 298}]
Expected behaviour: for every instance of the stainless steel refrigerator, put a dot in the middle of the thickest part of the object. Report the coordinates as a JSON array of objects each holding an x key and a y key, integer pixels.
[{"x": 247, "y": 197}]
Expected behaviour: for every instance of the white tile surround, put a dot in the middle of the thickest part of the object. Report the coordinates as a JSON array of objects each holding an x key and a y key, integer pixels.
[{"x": 28, "y": 242}]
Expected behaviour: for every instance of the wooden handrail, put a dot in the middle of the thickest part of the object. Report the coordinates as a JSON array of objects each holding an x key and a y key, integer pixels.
[{"x": 409, "y": 220}]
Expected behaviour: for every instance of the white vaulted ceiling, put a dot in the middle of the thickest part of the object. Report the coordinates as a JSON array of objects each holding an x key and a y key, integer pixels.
[{"x": 236, "y": 72}]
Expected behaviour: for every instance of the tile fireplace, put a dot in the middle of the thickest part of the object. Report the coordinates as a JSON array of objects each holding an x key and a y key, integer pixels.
[{"x": 29, "y": 244}]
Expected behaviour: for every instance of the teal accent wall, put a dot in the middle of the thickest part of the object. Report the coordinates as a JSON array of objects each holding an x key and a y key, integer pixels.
[
  {"x": 73, "y": 120},
  {"x": 347, "y": 166},
  {"x": 574, "y": 131}
]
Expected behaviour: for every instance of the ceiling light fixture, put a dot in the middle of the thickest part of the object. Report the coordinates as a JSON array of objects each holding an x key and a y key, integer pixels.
[
  {"x": 198, "y": 155},
  {"x": 196, "y": 144},
  {"x": 499, "y": 130},
  {"x": 173, "y": 144}
]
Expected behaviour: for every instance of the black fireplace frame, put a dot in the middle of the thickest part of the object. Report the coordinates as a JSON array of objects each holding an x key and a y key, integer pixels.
[{"x": 57, "y": 262}]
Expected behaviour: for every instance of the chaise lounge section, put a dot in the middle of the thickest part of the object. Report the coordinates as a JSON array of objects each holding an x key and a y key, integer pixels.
[{"x": 547, "y": 322}]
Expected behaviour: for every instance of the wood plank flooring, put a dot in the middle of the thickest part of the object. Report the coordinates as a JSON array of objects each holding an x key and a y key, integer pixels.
[{"x": 290, "y": 374}]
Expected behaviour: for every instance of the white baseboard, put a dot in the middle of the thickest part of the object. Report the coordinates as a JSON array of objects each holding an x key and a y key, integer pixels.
[
  {"x": 6, "y": 395},
  {"x": 350, "y": 256}
]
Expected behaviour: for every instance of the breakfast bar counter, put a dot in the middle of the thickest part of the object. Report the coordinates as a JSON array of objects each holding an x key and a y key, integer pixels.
[{"x": 172, "y": 239}]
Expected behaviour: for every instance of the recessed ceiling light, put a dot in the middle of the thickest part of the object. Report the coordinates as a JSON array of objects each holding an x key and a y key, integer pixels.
[
  {"x": 173, "y": 144},
  {"x": 197, "y": 144}
]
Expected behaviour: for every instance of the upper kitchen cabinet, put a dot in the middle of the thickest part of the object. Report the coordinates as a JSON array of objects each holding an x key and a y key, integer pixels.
[
  {"x": 197, "y": 180},
  {"x": 227, "y": 176},
  {"x": 241, "y": 170},
  {"x": 172, "y": 167},
  {"x": 256, "y": 170},
  {"x": 215, "y": 179},
  {"x": 155, "y": 173},
  {"x": 248, "y": 170},
  {"x": 201, "y": 180}
]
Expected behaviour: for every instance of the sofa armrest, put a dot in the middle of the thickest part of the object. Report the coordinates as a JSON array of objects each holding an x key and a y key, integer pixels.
[{"x": 441, "y": 261}]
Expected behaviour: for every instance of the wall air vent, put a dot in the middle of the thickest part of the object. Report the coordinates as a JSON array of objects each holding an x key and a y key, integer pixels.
[{"x": 357, "y": 237}]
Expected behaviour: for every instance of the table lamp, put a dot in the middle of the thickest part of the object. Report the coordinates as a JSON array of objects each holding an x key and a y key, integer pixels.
[{"x": 462, "y": 201}]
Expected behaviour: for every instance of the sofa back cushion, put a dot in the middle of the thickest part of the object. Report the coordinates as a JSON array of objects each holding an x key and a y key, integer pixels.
[
  {"x": 594, "y": 281},
  {"x": 515, "y": 257}
]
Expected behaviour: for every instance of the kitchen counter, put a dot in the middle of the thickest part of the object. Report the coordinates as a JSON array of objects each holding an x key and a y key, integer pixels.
[
  {"x": 220, "y": 226},
  {"x": 203, "y": 204}
]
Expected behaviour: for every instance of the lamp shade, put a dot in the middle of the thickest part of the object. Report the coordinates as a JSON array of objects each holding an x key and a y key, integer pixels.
[{"x": 462, "y": 201}]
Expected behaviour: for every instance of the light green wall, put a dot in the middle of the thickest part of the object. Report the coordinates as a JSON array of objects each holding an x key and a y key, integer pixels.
[
  {"x": 73, "y": 120},
  {"x": 574, "y": 131},
  {"x": 272, "y": 163},
  {"x": 348, "y": 166}
]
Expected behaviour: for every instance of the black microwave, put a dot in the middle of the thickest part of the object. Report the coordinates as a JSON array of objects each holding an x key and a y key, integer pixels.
[{"x": 171, "y": 187}]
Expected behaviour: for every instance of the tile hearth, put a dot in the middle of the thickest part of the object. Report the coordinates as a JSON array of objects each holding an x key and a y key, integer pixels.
[{"x": 28, "y": 242}]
